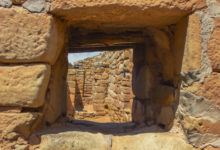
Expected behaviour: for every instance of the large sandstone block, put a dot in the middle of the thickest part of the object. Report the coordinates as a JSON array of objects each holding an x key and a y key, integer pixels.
[
  {"x": 23, "y": 85},
  {"x": 193, "y": 45},
  {"x": 13, "y": 124},
  {"x": 26, "y": 37},
  {"x": 214, "y": 47},
  {"x": 150, "y": 141},
  {"x": 108, "y": 13},
  {"x": 209, "y": 89},
  {"x": 73, "y": 141}
]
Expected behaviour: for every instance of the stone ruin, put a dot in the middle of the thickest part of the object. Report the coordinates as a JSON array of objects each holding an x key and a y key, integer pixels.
[
  {"x": 175, "y": 77},
  {"x": 100, "y": 88}
]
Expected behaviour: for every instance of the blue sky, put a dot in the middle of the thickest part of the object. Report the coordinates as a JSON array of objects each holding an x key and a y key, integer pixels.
[{"x": 73, "y": 57}]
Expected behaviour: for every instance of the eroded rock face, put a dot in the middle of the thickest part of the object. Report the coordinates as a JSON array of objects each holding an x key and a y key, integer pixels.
[
  {"x": 89, "y": 141},
  {"x": 29, "y": 37},
  {"x": 73, "y": 141},
  {"x": 151, "y": 141},
  {"x": 20, "y": 123},
  {"x": 193, "y": 47},
  {"x": 24, "y": 85},
  {"x": 6, "y": 3},
  {"x": 34, "y": 5},
  {"x": 144, "y": 12},
  {"x": 214, "y": 46}
]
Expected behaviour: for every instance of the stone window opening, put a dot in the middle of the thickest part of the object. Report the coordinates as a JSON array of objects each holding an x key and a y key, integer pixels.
[
  {"x": 99, "y": 88},
  {"x": 155, "y": 78}
]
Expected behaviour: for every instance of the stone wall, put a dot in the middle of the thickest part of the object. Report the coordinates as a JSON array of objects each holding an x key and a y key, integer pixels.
[
  {"x": 101, "y": 86},
  {"x": 175, "y": 76}
]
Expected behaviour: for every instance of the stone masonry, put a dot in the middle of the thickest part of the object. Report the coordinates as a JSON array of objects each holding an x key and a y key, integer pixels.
[
  {"x": 101, "y": 86},
  {"x": 175, "y": 74}
]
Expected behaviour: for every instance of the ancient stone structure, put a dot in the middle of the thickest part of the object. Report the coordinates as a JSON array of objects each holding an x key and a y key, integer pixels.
[
  {"x": 176, "y": 73},
  {"x": 101, "y": 86}
]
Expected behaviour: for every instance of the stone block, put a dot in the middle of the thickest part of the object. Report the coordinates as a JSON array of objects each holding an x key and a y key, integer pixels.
[
  {"x": 12, "y": 124},
  {"x": 24, "y": 85},
  {"x": 34, "y": 5},
  {"x": 163, "y": 94},
  {"x": 105, "y": 76},
  {"x": 99, "y": 89},
  {"x": 6, "y": 3},
  {"x": 193, "y": 46},
  {"x": 56, "y": 103},
  {"x": 99, "y": 95},
  {"x": 71, "y": 71},
  {"x": 144, "y": 12},
  {"x": 201, "y": 125},
  {"x": 24, "y": 41},
  {"x": 150, "y": 141},
  {"x": 98, "y": 107},
  {"x": 214, "y": 46},
  {"x": 73, "y": 140},
  {"x": 209, "y": 89}
]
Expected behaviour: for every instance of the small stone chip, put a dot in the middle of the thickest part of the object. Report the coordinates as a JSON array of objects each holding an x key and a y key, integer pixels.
[
  {"x": 34, "y": 5},
  {"x": 6, "y": 3}
]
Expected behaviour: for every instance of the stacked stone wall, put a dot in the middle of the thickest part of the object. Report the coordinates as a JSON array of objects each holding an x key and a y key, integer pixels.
[{"x": 102, "y": 86}]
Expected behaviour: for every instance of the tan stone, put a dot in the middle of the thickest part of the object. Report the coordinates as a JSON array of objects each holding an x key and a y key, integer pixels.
[
  {"x": 126, "y": 54},
  {"x": 24, "y": 85},
  {"x": 99, "y": 89},
  {"x": 193, "y": 45},
  {"x": 56, "y": 102},
  {"x": 71, "y": 71},
  {"x": 142, "y": 83},
  {"x": 23, "y": 38},
  {"x": 98, "y": 77},
  {"x": 214, "y": 47},
  {"x": 144, "y": 12},
  {"x": 209, "y": 89},
  {"x": 105, "y": 76},
  {"x": 201, "y": 125},
  {"x": 73, "y": 141},
  {"x": 150, "y": 141},
  {"x": 99, "y": 96},
  {"x": 98, "y": 107},
  {"x": 21, "y": 123}
]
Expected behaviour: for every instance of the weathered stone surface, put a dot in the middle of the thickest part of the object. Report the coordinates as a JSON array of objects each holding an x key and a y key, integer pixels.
[
  {"x": 202, "y": 126},
  {"x": 56, "y": 102},
  {"x": 12, "y": 124},
  {"x": 193, "y": 45},
  {"x": 6, "y": 3},
  {"x": 21, "y": 40},
  {"x": 73, "y": 141},
  {"x": 142, "y": 83},
  {"x": 203, "y": 140},
  {"x": 214, "y": 46},
  {"x": 196, "y": 106},
  {"x": 24, "y": 85},
  {"x": 166, "y": 95},
  {"x": 144, "y": 12},
  {"x": 209, "y": 89},
  {"x": 166, "y": 116},
  {"x": 34, "y": 5},
  {"x": 150, "y": 141}
]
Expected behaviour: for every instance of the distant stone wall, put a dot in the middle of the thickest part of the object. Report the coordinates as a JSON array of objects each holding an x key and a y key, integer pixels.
[{"x": 101, "y": 85}]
